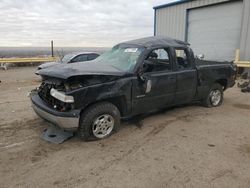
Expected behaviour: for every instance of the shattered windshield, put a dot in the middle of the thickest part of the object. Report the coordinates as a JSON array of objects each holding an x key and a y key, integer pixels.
[
  {"x": 67, "y": 58},
  {"x": 123, "y": 58}
]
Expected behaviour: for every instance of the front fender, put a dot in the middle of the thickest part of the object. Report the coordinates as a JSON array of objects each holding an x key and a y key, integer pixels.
[{"x": 105, "y": 91}]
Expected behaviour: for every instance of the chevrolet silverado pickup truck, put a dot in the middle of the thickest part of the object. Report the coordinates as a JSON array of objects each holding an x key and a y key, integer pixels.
[{"x": 134, "y": 77}]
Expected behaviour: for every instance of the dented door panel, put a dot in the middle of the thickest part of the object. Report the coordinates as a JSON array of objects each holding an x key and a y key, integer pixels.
[{"x": 161, "y": 95}]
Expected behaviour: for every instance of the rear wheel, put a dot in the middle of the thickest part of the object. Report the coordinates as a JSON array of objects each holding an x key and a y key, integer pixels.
[
  {"x": 99, "y": 121},
  {"x": 214, "y": 97}
]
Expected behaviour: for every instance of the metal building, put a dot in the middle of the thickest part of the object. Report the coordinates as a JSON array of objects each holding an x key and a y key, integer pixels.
[{"x": 215, "y": 28}]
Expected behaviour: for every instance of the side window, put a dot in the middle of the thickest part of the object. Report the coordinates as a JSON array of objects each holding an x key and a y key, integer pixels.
[
  {"x": 92, "y": 56},
  {"x": 162, "y": 55},
  {"x": 182, "y": 59},
  {"x": 157, "y": 60},
  {"x": 80, "y": 58}
]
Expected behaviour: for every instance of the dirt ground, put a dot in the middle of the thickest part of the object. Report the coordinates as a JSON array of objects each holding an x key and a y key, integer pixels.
[{"x": 190, "y": 146}]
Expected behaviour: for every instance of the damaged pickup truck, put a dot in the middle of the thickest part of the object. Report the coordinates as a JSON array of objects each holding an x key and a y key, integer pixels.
[{"x": 132, "y": 78}]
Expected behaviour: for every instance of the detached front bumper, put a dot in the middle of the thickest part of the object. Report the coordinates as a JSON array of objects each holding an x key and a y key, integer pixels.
[{"x": 65, "y": 120}]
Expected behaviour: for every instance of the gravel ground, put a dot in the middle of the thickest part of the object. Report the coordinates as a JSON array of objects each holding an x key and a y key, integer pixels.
[{"x": 191, "y": 146}]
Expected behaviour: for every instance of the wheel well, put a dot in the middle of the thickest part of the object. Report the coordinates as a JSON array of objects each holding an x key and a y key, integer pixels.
[
  {"x": 119, "y": 102},
  {"x": 222, "y": 82}
]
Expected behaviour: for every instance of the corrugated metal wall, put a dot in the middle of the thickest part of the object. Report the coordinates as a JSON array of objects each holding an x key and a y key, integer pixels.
[
  {"x": 215, "y": 30},
  {"x": 171, "y": 21},
  {"x": 245, "y": 33}
]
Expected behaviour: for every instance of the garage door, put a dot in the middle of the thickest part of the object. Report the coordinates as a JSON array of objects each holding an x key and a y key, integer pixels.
[{"x": 215, "y": 30}]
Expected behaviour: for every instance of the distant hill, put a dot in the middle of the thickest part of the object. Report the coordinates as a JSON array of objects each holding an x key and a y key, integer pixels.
[{"x": 44, "y": 51}]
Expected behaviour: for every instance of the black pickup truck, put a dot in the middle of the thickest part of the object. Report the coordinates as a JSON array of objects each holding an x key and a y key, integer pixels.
[{"x": 132, "y": 78}]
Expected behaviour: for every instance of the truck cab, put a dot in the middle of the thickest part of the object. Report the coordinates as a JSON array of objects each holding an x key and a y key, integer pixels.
[{"x": 170, "y": 77}]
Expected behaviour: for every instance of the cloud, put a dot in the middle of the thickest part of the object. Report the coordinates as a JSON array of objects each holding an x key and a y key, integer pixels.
[{"x": 75, "y": 22}]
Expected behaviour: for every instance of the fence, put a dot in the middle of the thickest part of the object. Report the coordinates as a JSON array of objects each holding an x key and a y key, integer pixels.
[
  {"x": 4, "y": 62},
  {"x": 243, "y": 64}
]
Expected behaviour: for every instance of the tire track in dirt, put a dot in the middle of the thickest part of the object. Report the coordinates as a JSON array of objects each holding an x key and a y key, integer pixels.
[
  {"x": 10, "y": 133},
  {"x": 96, "y": 172},
  {"x": 22, "y": 124},
  {"x": 43, "y": 151},
  {"x": 242, "y": 106},
  {"x": 9, "y": 102}
]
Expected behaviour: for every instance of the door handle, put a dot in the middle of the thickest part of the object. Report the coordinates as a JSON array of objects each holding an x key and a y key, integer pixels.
[{"x": 171, "y": 78}]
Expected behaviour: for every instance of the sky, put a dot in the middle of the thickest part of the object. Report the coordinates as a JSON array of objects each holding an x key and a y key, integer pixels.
[{"x": 75, "y": 23}]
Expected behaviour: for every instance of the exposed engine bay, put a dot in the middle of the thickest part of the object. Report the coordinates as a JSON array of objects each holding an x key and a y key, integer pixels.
[{"x": 68, "y": 86}]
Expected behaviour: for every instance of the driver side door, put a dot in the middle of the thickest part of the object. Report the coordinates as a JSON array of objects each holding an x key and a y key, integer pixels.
[{"x": 158, "y": 88}]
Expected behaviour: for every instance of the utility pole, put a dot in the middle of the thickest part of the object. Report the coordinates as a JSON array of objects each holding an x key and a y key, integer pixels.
[{"x": 52, "y": 49}]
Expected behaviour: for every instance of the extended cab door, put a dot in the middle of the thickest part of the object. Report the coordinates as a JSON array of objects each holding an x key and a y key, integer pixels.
[
  {"x": 158, "y": 88},
  {"x": 186, "y": 76}
]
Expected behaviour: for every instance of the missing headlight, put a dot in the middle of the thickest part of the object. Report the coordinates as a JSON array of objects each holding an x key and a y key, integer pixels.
[{"x": 72, "y": 86}]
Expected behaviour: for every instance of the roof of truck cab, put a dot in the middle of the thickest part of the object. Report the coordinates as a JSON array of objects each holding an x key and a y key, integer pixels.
[{"x": 157, "y": 41}]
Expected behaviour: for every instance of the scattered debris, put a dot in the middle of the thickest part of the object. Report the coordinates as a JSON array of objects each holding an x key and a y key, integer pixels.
[
  {"x": 56, "y": 135},
  {"x": 211, "y": 145},
  {"x": 246, "y": 89},
  {"x": 244, "y": 83},
  {"x": 28, "y": 94},
  {"x": 137, "y": 120},
  {"x": 13, "y": 145},
  {"x": 4, "y": 66},
  {"x": 139, "y": 124},
  {"x": 244, "y": 75}
]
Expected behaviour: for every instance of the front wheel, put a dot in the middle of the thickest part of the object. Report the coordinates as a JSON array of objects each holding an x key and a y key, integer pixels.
[
  {"x": 214, "y": 97},
  {"x": 99, "y": 121}
]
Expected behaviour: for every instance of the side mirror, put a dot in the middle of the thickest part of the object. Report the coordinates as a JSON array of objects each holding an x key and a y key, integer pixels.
[
  {"x": 147, "y": 83},
  {"x": 142, "y": 78},
  {"x": 144, "y": 68},
  {"x": 200, "y": 56},
  {"x": 141, "y": 75}
]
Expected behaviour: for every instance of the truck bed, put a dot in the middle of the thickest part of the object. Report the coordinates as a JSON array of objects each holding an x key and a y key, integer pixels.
[{"x": 199, "y": 62}]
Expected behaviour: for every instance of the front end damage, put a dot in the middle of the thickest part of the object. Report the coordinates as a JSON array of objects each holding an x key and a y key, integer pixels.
[
  {"x": 51, "y": 103},
  {"x": 60, "y": 101},
  {"x": 48, "y": 111}
]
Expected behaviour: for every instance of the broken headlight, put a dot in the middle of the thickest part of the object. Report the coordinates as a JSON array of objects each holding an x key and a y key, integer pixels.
[
  {"x": 61, "y": 96},
  {"x": 72, "y": 86}
]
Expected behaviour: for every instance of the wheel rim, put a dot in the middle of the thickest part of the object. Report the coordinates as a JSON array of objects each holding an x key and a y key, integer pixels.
[
  {"x": 103, "y": 125},
  {"x": 215, "y": 97}
]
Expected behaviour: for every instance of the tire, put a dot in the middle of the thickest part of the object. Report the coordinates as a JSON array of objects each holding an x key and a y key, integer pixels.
[
  {"x": 97, "y": 120},
  {"x": 214, "y": 97}
]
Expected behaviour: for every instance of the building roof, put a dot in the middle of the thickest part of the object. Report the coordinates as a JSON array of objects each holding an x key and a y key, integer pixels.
[
  {"x": 171, "y": 4},
  {"x": 156, "y": 41}
]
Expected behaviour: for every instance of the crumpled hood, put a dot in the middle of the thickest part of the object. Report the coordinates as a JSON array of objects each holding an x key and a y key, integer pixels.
[
  {"x": 65, "y": 71},
  {"x": 46, "y": 65}
]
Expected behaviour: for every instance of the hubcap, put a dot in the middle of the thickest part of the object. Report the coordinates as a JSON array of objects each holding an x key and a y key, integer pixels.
[
  {"x": 103, "y": 125},
  {"x": 215, "y": 97}
]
